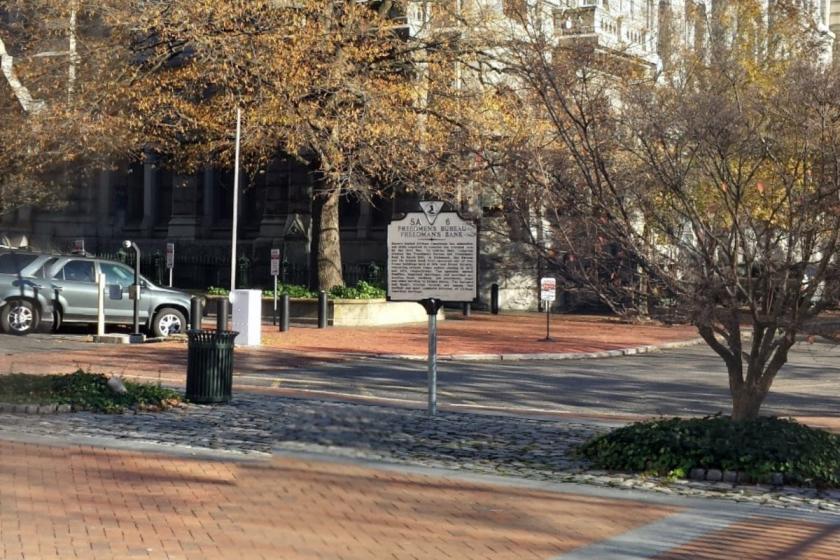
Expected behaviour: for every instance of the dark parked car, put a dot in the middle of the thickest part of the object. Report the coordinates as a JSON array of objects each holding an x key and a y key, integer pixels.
[{"x": 40, "y": 291}]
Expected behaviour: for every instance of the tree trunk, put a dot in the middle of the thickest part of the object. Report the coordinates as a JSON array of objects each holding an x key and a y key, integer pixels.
[
  {"x": 746, "y": 403},
  {"x": 329, "y": 243}
]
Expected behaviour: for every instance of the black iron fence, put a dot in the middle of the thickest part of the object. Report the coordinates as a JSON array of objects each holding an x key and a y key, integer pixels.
[{"x": 195, "y": 269}]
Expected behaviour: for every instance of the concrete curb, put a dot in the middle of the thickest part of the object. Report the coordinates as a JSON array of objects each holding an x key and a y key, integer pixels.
[
  {"x": 545, "y": 355},
  {"x": 12, "y": 408}
]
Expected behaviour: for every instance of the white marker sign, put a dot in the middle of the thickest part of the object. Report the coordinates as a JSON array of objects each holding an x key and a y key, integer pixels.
[
  {"x": 275, "y": 262},
  {"x": 548, "y": 289},
  {"x": 432, "y": 254}
]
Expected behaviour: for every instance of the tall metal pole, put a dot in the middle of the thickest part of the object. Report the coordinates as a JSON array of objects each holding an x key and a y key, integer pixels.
[
  {"x": 136, "y": 288},
  {"x": 432, "y": 364},
  {"x": 235, "y": 224},
  {"x": 547, "y": 320}
]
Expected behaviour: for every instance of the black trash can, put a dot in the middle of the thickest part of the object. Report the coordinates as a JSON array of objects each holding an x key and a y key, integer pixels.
[{"x": 210, "y": 366}]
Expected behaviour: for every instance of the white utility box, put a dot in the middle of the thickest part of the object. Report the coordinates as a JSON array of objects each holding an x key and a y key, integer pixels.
[{"x": 247, "y": 316}]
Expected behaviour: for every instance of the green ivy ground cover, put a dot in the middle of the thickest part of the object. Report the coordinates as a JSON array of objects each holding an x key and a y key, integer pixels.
[
  {"x": 757, "y": 448},
  {"x": 83, "y": 391}
]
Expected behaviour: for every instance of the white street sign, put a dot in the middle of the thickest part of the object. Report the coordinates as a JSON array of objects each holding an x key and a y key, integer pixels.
[
  {"x": 170, "y": 255},
  {"x": 275, "y": 262},
  {"x": 548, "y": 289},
  {"x": 432, "y": 254}
]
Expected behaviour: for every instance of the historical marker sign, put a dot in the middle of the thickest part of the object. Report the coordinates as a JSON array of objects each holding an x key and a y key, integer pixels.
[
  {"x": 432, "y": 258},
  {"x": 432, "y": 255}
]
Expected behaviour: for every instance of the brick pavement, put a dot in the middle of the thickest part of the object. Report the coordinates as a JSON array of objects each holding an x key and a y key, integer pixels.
[
  {"x": 72, "y": 501},
  {"x": 90, "y": 503}
]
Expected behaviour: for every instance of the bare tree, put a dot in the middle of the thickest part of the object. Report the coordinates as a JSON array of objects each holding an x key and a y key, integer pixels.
[{"x": 707, "y": 193}]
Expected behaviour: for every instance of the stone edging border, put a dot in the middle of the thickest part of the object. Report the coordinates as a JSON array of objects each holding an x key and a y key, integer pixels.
[
  {"x": 545, "y": 356},
  {"x": 10, "y": 408}
]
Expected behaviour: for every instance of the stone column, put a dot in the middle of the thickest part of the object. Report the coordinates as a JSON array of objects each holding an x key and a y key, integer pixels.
[
  {"x": 184, "y": 222},
  {"x": 150, "y": 188},
  {"x": 104, "y": 221},
  {"x": 208, "y": 199},
  {"x": 363, "y": 223}
]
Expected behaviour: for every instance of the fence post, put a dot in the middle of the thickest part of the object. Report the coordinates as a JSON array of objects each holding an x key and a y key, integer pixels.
[
  {"x": 244, "y": 269},
  {"x": 494, "y": 299}
]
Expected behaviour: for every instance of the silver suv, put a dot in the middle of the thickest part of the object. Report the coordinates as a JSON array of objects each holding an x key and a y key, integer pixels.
[{"x": 39, "y": 291}]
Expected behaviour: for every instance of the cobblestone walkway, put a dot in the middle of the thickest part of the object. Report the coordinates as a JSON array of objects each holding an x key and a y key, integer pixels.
[{"x": 505, "y": 445}]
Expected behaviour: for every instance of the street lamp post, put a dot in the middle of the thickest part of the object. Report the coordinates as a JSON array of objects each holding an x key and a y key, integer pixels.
[{"x": 135, "y": 288}]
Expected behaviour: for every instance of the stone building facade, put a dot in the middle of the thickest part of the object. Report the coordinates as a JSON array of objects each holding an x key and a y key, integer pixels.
[{"x": 153, "y": 206}]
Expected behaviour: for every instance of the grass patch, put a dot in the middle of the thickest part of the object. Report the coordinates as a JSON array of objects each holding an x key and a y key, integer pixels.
[
  {"x": 757, "y": 448},
  {"x": 84, "y": 391}
]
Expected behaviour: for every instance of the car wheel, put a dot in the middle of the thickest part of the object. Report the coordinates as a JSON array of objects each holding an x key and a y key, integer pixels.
[
  {"x": 169, "y": 321},
  {"x": 19, "y": 317}
]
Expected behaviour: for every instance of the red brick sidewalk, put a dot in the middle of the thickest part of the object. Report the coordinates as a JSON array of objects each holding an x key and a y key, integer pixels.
[
  {"x": 482, "y": 333},
  {"x": 87, "y": 503},
  {"x": 93, "y": 503}
]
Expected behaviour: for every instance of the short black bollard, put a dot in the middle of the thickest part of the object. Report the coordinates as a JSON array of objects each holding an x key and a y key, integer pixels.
[
  {"x": 221, "y": 314},
  {"x": 196, "y": 312},
  {"x": 494, "y": 299},
  {"x": 322, "y": 309},
  {"x": 467, "y": 309},
  {"x": 284, "y": 312}
]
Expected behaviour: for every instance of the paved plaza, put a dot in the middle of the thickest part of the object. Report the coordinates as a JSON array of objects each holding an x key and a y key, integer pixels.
[
  {"x": 327, "y": 455},
  {"x": 80, "y": 501}
]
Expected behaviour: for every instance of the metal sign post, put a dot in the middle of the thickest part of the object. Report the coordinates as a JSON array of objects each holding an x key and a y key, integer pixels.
[
  {"x": 432, "y": 258},
  {"x": 170, "y": 260},
  {"x": 548, "y": 293},
  {"x": 275, "y": 271},
  {"x": 432, "y": 306}
]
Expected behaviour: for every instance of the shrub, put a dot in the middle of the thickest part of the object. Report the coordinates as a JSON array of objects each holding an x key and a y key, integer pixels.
[
  {"x": 756, "y": 448},
  {"x": 293, "y": 290},
  {"x": 84, "y": 391},
  {"x": 362, "y": 290},
  {"x": 216, "y": 291}
]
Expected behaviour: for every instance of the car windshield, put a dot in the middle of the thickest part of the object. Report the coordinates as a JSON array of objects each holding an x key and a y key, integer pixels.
[
  {"x": 13, "y": 263},
  {"x": 119, "y": 274},
  {"x": 43, "y": 269}
]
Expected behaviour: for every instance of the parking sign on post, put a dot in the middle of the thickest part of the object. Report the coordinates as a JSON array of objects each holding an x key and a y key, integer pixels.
[
  {"x": 275, "y": 271},
  {"x": 548, "y": 293},
  {"x": 170, "y": 260}
]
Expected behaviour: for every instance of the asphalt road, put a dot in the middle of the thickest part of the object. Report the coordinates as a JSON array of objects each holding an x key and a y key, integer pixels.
[
  {"x": 684, "y": 381},
  {"x": 672, "y": 382}
]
